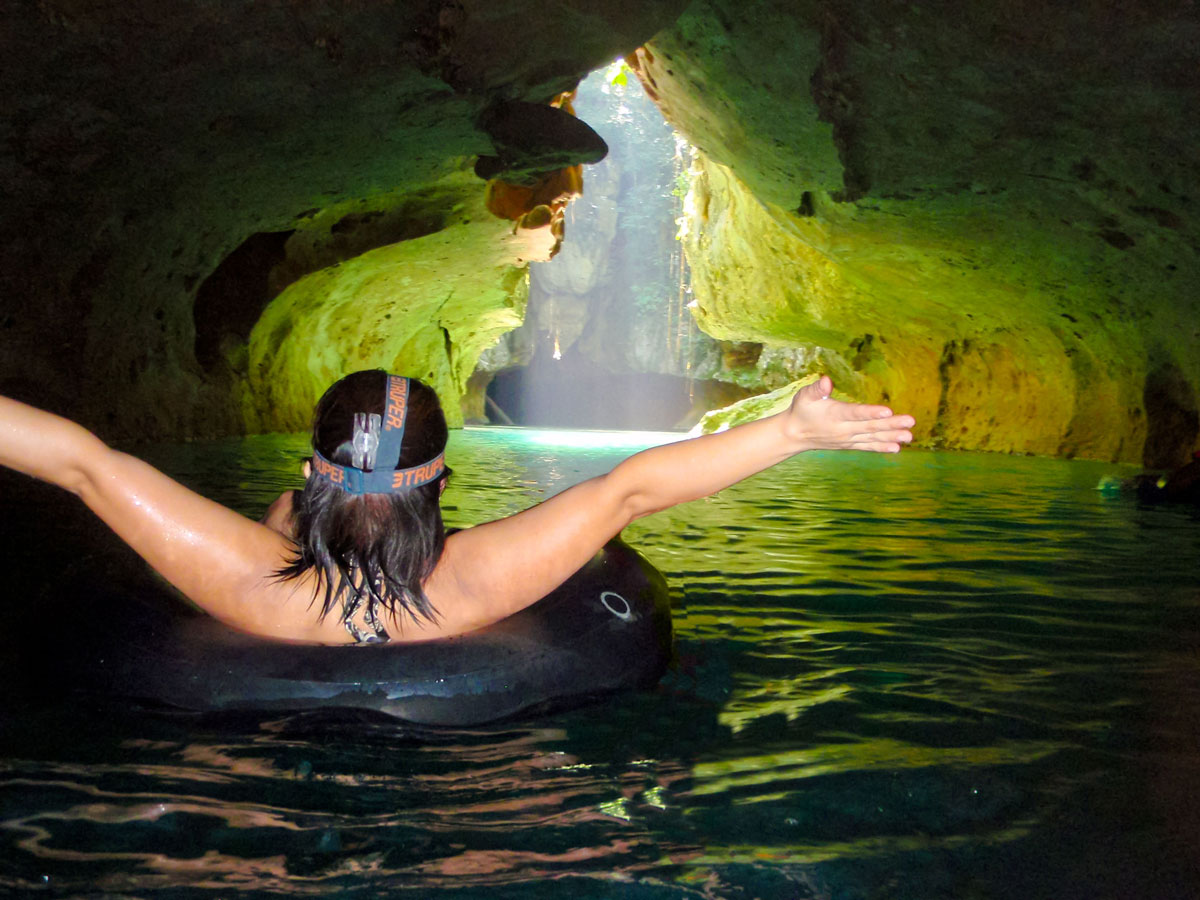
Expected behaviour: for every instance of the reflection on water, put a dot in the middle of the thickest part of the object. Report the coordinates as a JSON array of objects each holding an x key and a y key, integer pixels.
[{"x": 931, "y": 675}]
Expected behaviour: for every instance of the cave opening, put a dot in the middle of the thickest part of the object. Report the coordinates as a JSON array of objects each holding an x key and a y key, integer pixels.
[{"x": 608, "y": 340}]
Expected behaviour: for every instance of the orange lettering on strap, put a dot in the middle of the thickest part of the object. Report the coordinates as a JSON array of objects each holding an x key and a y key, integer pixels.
[
  {"x": 427, "y": 472},
  {"x": 330, "y": 471},
  {"x": 397, "y": 402}
]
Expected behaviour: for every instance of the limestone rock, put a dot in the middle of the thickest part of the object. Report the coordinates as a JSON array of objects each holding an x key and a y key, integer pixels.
[{"x": 531, "y": 139}]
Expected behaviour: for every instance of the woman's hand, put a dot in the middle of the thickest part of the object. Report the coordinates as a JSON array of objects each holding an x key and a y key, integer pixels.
[{"x": 818, "y": 422}]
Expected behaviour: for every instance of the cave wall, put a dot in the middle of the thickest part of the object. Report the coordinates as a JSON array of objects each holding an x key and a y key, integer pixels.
[
  {"x": 979, "y": 212},
  {"x": 143, "y": 143}
]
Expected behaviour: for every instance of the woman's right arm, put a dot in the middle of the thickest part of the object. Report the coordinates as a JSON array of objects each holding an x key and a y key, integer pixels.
[{"x": 217, "y": 558}]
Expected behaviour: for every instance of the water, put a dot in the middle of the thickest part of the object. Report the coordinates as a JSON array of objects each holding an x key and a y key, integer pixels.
[{"x": 924, "y": 676}]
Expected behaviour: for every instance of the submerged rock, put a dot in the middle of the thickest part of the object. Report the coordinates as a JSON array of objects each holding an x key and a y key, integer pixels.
[{"x": 1179, "y": 486}]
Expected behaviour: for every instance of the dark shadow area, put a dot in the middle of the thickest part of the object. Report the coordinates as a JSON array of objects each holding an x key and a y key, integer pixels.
[
  {"x": 1172, "y": 421},
  {"x": 232, "y": 298},
  {"x": 46, "y": 536}
]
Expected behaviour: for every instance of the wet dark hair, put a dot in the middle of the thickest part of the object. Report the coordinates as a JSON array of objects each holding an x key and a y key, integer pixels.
[{"x": 376, "y": 549}]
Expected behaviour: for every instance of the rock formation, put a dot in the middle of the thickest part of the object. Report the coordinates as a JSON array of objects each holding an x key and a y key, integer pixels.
[{"x": 980, "y": 212}]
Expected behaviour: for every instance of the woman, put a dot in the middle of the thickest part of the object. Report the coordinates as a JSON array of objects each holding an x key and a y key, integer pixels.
[{"x": 363, "y": 540}]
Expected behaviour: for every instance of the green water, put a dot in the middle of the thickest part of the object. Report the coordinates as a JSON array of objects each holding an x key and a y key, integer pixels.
[{"x": 922, "y": 676}]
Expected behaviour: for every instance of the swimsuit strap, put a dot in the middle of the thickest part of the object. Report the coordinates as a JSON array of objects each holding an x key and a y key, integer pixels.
[{"x": 350, "y": 607}]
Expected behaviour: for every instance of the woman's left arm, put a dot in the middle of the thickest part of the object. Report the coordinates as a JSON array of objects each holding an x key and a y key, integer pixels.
[{"x": 492, "y": 570}]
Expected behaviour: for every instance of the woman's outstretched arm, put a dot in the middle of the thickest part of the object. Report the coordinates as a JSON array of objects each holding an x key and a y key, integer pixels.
[
  {"x": 664, "y": 476},
  {"x": 217, "y": 558},
  {"x": 505, "y": 565}
]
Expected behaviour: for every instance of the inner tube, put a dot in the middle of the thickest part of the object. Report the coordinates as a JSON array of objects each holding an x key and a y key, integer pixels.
[{"x": 607, "y": 629}]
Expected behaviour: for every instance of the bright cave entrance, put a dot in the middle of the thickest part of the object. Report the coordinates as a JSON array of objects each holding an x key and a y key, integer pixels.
[{"x": 608, "y": 341}]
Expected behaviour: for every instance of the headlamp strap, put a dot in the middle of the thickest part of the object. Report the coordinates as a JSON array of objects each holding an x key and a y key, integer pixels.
[{"x": 377, "y": 450}]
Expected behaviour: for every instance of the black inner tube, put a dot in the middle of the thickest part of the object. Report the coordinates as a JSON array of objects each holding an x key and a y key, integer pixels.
[{"x": 608, "y": 628}]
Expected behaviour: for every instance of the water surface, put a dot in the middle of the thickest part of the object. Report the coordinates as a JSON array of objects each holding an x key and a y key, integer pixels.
[{"x": 923, "y": 676}]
